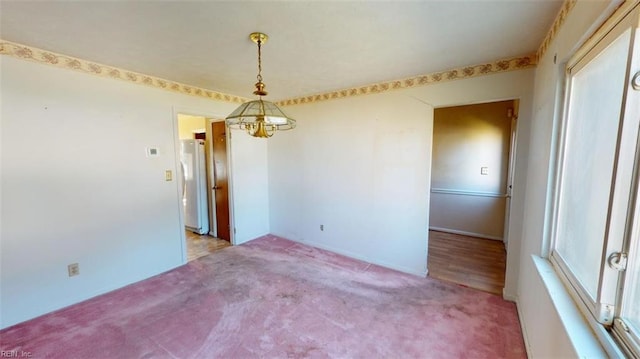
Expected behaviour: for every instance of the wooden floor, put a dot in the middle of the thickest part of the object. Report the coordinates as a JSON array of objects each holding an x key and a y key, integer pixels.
[
  {"x": 201, "y": 245},
  {"x": 474, "y": 262}
]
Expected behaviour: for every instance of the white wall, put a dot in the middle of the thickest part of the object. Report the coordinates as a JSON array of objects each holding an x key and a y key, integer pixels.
[
  {"x": 545, "y": 333},
  {"x": 250, "y": 187},
  {"x": 77, "y": 187},
  {"x": 360, "y": 166}
]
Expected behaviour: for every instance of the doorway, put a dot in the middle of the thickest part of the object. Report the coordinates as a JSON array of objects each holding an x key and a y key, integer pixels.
[
  {"x": 472, "y": 164},
  {"x": 211, "y": 135}
]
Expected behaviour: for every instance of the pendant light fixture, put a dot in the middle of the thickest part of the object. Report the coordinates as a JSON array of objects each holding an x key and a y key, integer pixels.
[{"x": 260, "y": 118}]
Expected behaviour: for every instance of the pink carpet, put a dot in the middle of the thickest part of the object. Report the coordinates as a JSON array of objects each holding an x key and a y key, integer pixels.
[{"x": 272, "y": 298}]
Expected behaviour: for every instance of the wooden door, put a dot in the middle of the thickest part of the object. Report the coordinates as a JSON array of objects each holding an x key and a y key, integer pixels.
[{"x": 221, "y": 182}]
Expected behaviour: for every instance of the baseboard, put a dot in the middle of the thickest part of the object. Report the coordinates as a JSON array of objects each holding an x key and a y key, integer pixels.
[
  {"x": 196, "y": 230},
  {"x": 465, "y": 233},
  {"x": 525, "y": 337},
  {"x": 509, "y": 297}
]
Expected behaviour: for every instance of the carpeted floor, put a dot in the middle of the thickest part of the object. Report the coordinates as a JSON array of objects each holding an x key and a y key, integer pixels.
[{"x": 272, "y": 298}]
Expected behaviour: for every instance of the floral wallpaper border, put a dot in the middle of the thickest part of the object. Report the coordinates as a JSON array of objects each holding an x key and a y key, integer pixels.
[
  {"x": 454, "y": 74},
  {"x": 93, "y": 68},
  {"x": 517, "y": 63},
  {"x": 557, "y": 24},
  {"x": 72, "y": 63}
]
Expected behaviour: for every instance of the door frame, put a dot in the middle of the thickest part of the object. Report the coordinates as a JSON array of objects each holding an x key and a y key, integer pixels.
[
  {"x": 209, "y": 118},
  {"x": 511, "y": 161},
  {"x": 511, "y": 170}
]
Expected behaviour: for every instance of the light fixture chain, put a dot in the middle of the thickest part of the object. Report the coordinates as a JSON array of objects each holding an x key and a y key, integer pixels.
[{"x": 259, "y": 61}]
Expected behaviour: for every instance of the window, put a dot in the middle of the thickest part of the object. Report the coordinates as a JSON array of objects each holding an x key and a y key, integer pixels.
[{"x": 596, "y": 223}]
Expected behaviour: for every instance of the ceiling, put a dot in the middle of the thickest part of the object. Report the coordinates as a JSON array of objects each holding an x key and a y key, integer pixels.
[{"x": 313, "y": 47}]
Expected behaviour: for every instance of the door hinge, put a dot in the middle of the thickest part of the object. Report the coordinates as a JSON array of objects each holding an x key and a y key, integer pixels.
[{"x": 618, "y": 261}]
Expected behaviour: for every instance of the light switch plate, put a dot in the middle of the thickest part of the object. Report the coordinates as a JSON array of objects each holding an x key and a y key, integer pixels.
[{"x": 168, "y": 175}]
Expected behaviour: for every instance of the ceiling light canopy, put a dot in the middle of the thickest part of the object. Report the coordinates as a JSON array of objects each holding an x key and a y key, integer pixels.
[{"x": 260, "y": 118}]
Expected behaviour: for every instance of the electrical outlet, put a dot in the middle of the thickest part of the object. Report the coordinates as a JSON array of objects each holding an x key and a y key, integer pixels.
[
  {"x": 74, "y": 269},
  {"x": 152, "y": 152},
  {"x": 484, "y": 171},
  {"x": 322, "y": 227}
]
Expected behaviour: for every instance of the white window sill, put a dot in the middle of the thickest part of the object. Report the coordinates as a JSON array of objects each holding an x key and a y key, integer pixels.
[{"x": 589, "y": 339}]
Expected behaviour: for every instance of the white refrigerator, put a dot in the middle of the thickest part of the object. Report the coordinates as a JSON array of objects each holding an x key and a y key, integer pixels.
[{"x": 194, "y": 186}]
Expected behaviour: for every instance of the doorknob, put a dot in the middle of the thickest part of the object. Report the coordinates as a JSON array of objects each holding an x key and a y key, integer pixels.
[{"x": 216, "y": 187}]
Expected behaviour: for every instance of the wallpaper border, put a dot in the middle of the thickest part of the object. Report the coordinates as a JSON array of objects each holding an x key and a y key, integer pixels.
[
  {"x": 89, "y": 67},
  {"x": 518, "y": 63},
  {"x": 93, "y": 68},
  {"x": 555, "y": 27}
]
